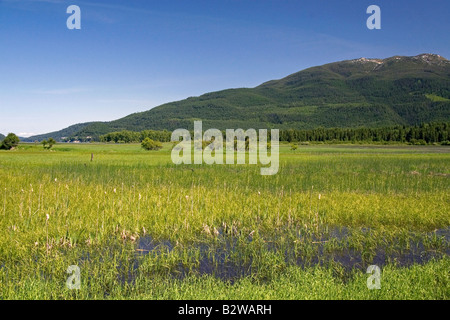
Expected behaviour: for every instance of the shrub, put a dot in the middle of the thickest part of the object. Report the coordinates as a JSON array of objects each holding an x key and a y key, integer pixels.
[
  {"x": 11, "y": 141},
  {"x": 420, "y": 142},
  {"x": 48, "y": 144},
  {"x": 149, "y": 144}
]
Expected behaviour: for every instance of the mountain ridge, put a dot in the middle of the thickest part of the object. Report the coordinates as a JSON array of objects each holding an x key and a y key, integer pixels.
[{"x": 398, "y": 90}]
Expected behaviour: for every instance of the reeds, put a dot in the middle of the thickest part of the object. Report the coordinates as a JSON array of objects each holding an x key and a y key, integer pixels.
[{"x": 210, "y": 219}]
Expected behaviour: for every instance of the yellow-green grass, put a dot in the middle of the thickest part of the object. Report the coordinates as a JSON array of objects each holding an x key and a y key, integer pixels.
[
  {"x": 387, "y": 199},
  {"x": 436, "y": 98}
]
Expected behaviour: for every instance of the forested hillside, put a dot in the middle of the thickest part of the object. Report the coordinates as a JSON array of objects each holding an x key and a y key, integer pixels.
[{"x": 369, "y": 93}]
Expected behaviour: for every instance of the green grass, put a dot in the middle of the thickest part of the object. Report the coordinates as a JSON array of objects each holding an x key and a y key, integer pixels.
[
  {"x": 436, "y": 98},
  {"x": 140, "y": 227}
]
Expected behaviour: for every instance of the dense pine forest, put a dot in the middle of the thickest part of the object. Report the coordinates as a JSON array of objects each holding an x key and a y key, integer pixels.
[{"x": 422, "y": 134}]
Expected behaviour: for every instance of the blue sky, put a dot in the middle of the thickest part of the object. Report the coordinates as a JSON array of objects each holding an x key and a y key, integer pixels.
[{"x": 130, "y": 56}]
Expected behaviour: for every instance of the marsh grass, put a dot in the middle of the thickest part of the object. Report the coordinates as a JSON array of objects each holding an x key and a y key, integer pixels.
[{"x": 140, "y": 227}]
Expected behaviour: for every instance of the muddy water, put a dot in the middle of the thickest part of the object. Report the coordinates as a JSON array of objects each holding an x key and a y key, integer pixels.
[{"x": 214, "y": 258}]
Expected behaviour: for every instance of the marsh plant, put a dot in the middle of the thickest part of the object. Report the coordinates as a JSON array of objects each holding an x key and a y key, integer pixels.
[{"x": 139, "y": 226}]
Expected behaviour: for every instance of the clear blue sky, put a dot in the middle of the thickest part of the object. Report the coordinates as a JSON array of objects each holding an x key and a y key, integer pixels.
[{"x": 130, "y": 56}]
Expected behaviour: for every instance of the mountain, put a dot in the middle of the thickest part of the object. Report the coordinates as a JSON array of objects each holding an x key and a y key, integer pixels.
[
  {"x": 59, "y": 135},
  {"x": 2, "y": 137},
  {"x": 353, "y": 93}
]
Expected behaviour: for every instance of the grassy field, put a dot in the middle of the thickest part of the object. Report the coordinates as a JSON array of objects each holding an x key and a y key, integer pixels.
[{"x": 140, "y": 227}]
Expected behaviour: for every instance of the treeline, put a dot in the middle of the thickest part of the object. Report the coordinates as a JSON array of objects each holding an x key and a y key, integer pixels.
[
  {"x": 126, "y": 136},
  {"x": 421, "y": 134}
]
